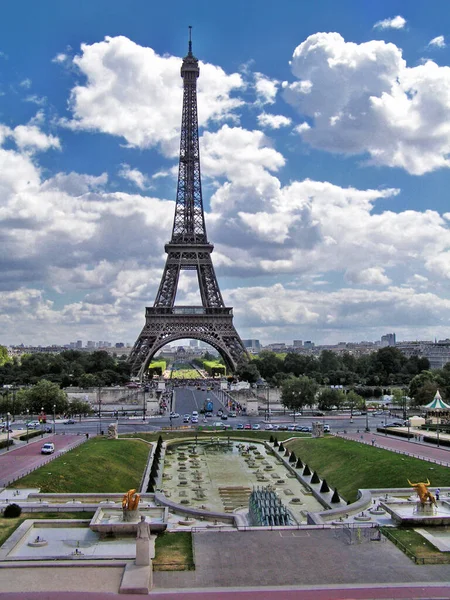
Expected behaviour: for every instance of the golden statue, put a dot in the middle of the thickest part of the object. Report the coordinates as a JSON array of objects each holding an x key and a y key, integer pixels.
[
  {"x": 131, "y": 500},
  {"x": 423, "y": 492}
]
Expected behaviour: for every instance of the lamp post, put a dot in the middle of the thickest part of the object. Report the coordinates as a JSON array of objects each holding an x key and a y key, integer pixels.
[
  {"x": 99, "y": 390},
  {"x": 42, "y": 421},
  {"x": 28, "y": 420},
  {"x": 54, "y": 419},
  {"x": 143, "y": 405},
  {"x": 268, "y": 405},
  {"x": 8, "y": 416},
  {"x": 437, "y": 429}
]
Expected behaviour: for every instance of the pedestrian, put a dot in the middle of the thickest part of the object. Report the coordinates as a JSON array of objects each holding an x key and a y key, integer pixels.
[
  {"x": 373, "y": 442},
  {"x": 437, "y": 493}
]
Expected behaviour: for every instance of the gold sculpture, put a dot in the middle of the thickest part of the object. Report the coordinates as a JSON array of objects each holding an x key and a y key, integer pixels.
[
  {"x": 131, "y": 500},
  {"x": 423, "y": 492}
]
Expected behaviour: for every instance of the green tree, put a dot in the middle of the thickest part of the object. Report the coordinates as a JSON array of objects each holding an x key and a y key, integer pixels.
[
  {"x": 297, "y": 392},
  {"x": 354, "y": 401},
  {"x": 329, "y": 398},
  {"x": 248, "y": 371},
  {"x": 419, "y": 381},
  {"x": 4, "y": 357},
  {"x": 44, "y": 395}
]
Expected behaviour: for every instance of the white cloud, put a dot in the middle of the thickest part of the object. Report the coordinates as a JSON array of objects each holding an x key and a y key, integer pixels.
[
  {"x": 60, "y": 58},
  {"x": 26, "y": 83},
  {"x": 266, "y": 89},
  {"x": 370, "y": 276},
  {"x": 31, "y": 137},
  {"x": 145, "y": 89},
  {"x": 397, "y": 22},
  {"x": 273, "y": 121},
  {"x": 438, "y": 42},
  {"x": 362, "y": 98},
  {"x": 134, "y": 175}
]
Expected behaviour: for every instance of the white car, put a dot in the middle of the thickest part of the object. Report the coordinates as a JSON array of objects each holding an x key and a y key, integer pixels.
[
  {"x": 48, "y": 448},
  {"x": 195, "y": 413},
  {"x": 269, "y": 426}
]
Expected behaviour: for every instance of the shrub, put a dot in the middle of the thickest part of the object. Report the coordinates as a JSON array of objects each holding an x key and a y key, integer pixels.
[{"x": 12, "y": 511}]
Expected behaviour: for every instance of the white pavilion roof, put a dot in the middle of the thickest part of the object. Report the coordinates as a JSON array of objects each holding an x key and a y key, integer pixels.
[{"x": 437, "y": 403}]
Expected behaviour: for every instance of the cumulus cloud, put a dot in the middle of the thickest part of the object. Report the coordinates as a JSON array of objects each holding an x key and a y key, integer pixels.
[
  {"x": 397, "y": 22},
  {"x": 370, "y": 276},
  {"x": 266, "y": 89},
  {"x": 273, "y": 121},
  {"x": 134, "y": 175},
  {"x": 145, "y": 89},
  {"x": 364, "y": 99},
  {"x": 438, "y": 42}
]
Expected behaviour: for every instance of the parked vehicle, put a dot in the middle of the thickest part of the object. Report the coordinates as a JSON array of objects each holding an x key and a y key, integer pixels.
[
  {"x": 48, "y": 448},
  {"x": 69, "y": 422},
  {"x": 268, "y": 427},
  {"x": 174, "y": 415},
  {"x": 247, "y": 426},
  {"x": 256, "y": 426},
  {"x": 239, "y": 426}
]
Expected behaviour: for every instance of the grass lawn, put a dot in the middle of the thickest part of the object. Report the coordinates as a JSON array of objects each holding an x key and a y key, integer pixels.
[
  {"x": 416, "y": 546},
  {"x": 97, "y": 466},
  {"x": 185, "y": 374},
  {"x": 173, "y": 552},
  {"x": 7, "y": 526},
  {"x": 349, "y": 465}
]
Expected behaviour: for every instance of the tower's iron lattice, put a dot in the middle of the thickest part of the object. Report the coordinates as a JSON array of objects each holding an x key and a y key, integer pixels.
[{"x": 188, "y": 249}]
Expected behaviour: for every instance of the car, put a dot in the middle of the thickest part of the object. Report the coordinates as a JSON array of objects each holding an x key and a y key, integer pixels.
[
  {"x": 357, "y": 413},
  {"x": 33, "y": 424},
  {"x": 224, "y": 417},
  {"x": 282, "y": 427},
  {"x": 174, "y": 415},
  {"x": 291, "y": 427},
  {"x": 186, "y": 419},
  {"x": 69, "y": 422},
  {"x": 226, "y": 426},
  {"x": 239, "y": 426},
  {"x": 195, "y": 413},
  {"x": 48, "y": 448},
  {"x": 319, "y": 413},
  {"x": 208, "y": 415},
  {"x": 194, "y": 420},
  {"x": 393, "y": 425},
  {"x": 256, "y": 426},
  {"x": 247, "y": 426},
  {"x": 299, "y": 428},
  {"x": 306, "y": 429},
  {"x": 268, "y": 426},
  {"x": 232, "y": 414},
  {"x": 326, "y": 428},
  {"x": 218, "y": 424},
  {"x": 275, "y": 427},
  {"x": 296, "y": 414}
]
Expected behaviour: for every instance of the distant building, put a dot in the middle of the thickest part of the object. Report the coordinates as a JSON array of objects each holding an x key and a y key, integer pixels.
[
  {"x": 193, "y": 343},
  {"x": 91, "y": 344},
  {"x": 79, "y": 344},
  {"x": 298, "y": 343},
  {"x": 308, "y": 344},
  {"x": 388, "y": 340},
  {"x": 253, "y": 346}
]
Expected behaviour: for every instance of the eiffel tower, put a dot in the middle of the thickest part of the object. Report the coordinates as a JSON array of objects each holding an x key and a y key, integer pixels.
[{"x": 190, "y": 250}]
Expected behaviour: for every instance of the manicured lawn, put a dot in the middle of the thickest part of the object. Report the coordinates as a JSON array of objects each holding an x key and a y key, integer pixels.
[
  {"x": 185, "y": 374},
  {"x": 173, "y": 552},
  {"x": 415, "y": 546},
  {"x": 97, "y": 466},
  {"x": 7, "y": 526},
  {"x": 349, "y": 465}
]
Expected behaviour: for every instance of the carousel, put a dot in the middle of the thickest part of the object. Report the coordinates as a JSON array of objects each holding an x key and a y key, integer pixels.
[{"x": 437, "y": 410}]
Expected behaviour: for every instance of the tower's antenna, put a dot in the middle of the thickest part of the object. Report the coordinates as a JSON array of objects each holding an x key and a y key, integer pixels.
[{"x": 190, "y": 39}]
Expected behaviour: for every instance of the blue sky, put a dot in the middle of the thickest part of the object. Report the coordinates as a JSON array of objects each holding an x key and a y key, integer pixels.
[{"x": 324, "y": 143}]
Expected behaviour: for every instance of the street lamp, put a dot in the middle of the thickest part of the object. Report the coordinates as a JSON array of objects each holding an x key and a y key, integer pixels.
[
  {"x": 437, "y": 429},
  {"x": 367, "y": 419},
  {"x": 54, "y": 419},
  {"x": 99, "y": 390},
  {"x": 268, "y": 405},
  {"x": 8, "y": 416},
  {"x": 42, "y": 421},
  {"x": 28, "y": 422}
]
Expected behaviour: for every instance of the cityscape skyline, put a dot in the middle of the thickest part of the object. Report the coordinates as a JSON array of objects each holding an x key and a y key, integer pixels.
[{"x": 324, "y": 143}]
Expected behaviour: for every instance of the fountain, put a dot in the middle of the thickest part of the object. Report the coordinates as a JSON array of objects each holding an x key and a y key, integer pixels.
[
  {"x": 424, "y": 511},
  {"x": 111, "y": 521}
]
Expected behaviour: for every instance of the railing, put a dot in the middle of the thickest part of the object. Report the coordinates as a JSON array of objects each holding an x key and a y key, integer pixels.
[{"x": 187, "y": 310}]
